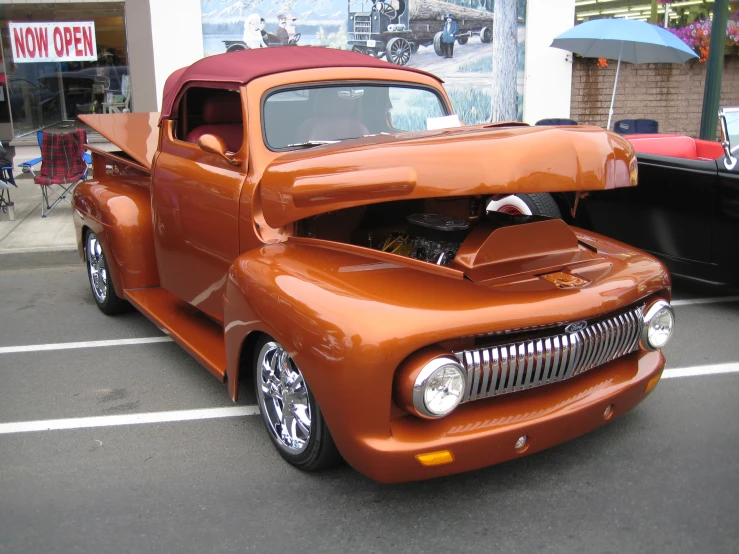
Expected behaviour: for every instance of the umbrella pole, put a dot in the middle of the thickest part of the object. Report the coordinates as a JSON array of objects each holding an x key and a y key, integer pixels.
[{"x": 615, "y": 84}]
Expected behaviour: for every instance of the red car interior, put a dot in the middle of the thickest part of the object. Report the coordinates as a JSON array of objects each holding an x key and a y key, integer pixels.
[
  {"x": 676, "y": 146},
  {"x": 222, "y": 117}
]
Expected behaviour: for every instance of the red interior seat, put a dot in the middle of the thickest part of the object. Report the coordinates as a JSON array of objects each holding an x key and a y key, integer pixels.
[
  {"x": 222, "y": 117},
  {"x": 709, "y": 149},
  {"x": 676, "y": 146}
]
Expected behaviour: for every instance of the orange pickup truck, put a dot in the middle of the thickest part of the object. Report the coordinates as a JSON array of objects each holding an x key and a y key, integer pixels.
[{"x": 307, "y": 220}]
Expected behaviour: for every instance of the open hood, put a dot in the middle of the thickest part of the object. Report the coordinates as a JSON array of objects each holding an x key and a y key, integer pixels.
[
  {"x": 137, "y": 134},
  {"x": 479, "y": 160}
]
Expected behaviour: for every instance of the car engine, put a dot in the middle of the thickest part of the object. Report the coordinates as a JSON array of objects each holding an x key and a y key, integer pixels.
[{"x": 429, "y": 237}]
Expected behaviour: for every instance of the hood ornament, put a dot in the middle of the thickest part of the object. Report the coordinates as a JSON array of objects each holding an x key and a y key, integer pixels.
[{"x": 565, "y": 280}]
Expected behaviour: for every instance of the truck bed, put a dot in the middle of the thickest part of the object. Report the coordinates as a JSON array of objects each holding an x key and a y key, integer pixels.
[{"x": 136, "y": 134}]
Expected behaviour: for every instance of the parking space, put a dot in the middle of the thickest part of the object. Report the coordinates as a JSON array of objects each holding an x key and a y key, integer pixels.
[{"x": 662, "y": 478}]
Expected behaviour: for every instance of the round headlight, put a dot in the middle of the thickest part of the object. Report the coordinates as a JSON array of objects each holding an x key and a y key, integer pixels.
[
  {"x": 439, "y": 387},
  {"x": 659, "y": 321}
]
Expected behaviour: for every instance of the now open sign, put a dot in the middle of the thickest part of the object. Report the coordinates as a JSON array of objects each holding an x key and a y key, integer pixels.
[{"x": 53, "y": 42}]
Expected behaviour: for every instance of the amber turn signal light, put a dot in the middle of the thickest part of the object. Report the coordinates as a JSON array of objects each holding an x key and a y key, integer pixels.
[
  {"x": 435, "y": 458},
  {"x": 652, "y": 383}
]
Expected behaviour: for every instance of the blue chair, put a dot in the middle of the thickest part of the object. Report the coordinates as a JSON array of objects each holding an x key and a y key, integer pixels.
[
  {"x": 28, "y": 167},
  {"x": 557, "y": 121},
  {"x": 6, "y": 179},
  {"x": 636, "y": 127}
]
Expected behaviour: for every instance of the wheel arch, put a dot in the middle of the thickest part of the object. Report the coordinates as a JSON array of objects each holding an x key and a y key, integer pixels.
[
  {"x": 120, "y": 215},
  {"x": 244, "y": 366}
]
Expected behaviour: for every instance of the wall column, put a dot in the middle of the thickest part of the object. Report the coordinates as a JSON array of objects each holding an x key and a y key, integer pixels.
[
  {"x": 162, "y": 36},
  {"x": 548, "y": 72}
]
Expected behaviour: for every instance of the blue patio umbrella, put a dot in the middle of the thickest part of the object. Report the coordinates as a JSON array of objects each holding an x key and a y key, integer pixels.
[{"x": 624, "y": 39}]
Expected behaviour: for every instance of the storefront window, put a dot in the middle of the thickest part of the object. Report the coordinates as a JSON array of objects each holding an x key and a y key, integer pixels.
[{"x": 39, "y": 94}]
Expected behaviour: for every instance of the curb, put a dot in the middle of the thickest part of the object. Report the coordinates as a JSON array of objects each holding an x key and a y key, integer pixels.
[{"x": 30, "y": 259}]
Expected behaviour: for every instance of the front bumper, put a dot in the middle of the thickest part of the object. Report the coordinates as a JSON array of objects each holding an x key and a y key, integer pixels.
[{"x": 484, "y": 432}]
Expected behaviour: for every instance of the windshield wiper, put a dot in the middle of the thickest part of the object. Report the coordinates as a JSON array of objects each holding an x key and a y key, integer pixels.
[{"x": 311, "y": 143}]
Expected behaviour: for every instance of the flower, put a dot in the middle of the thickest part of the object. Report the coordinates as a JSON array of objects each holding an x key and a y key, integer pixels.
[
  {"x": 602, "y": 62},
  {"x": 697, "y": 35}
]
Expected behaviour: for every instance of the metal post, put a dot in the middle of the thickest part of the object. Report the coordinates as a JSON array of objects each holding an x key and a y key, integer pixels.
[
  {"x": 714, "y": 71},
  {"x": 615, "y": 84}
]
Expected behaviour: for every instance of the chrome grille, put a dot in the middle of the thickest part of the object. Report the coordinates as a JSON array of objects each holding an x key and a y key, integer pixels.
[
  {"x": 531, "y": 363},
  {"x": 362, "y": 27}
]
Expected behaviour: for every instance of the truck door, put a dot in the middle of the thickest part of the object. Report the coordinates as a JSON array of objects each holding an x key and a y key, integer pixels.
[{"x": 196, "y": 197}]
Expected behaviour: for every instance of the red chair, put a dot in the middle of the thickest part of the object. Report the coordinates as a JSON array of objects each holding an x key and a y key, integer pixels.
[{"x": 62, "y": 166}]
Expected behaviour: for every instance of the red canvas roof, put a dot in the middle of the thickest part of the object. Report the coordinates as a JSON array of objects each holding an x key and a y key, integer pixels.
[{"x": 243, "y": 66}]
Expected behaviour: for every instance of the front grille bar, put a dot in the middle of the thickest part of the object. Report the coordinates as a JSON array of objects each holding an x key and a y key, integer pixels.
[
  {"x": 522, "y": 365},
  {"x": 362, "y": 27}
]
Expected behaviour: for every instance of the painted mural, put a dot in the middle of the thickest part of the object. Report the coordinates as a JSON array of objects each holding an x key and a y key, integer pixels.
[{"x": 475, "y": 46}]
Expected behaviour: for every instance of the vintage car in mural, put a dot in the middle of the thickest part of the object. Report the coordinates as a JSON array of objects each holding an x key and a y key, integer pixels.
[
  {"x": 396, "y": 29},
  {"x": 271, "y": 40},
  {"x": 685, "y": 209},
  {"x": 291, "y": 222}
]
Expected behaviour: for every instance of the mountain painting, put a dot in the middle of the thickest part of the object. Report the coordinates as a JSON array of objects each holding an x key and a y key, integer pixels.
[{"x": 475, "y": 46}]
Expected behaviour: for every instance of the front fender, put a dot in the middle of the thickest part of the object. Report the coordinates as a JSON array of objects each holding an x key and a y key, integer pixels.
[
  {"x": 119, "y": 212},
  {"x": 348, "y": 320}
]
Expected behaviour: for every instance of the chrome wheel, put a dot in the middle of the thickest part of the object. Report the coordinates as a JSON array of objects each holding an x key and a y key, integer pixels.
[
  {"x": 283, "y": 399},
  {"x": 97, "y": 268}
]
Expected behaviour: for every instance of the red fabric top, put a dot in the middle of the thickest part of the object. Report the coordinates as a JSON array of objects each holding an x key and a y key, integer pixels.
[{"x": 245, "y": 65}]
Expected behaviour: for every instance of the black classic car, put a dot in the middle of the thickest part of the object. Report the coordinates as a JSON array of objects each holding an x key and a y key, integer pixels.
[{"x": 685, "y": 209}]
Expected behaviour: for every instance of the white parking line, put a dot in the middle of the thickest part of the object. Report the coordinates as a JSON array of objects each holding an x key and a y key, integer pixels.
[
  {"x": 699, "y": 371},
  {"x": 73, "y": 345},
  {"x": 716, "y": 300},
  {"x": 240, "y": 411},
  {"x": 128, "y": 419}
]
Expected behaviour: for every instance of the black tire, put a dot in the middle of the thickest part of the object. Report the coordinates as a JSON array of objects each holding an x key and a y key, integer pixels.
[
  {"x": 414, "y": 47},
  {"x": 99, "y": 277},
  {"x": 398, "y": 51},
  {"x": 539, "y": 203},
  {"x": 235, "y": 48},
  {"x": 462, "y": 40},
  {"x": 437, "y": 44},
  {"x": 486, "y": 35},
  {"x": 319, "y": 450}
]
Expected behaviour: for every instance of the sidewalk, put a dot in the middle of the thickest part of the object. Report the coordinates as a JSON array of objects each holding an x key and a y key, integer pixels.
[{"x": 33, "y": 241}]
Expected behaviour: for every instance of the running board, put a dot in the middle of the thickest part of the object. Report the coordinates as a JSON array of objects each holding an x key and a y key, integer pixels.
[{"x": 191, "y": 329}]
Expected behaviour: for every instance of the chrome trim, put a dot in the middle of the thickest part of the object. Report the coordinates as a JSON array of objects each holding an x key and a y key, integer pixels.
[
  {"x": 284, "y": 399},
  {"x": 97, "y": 268},
  {"x": 531, "y": 363},
  {"x": 650, "y": 313},
  {"x": 430, "y": 368}
]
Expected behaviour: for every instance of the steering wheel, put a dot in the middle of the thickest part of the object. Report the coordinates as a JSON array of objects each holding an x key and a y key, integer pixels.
[
  {"x": 295, "y": 39},
  {"x": 386, "y": 9}
]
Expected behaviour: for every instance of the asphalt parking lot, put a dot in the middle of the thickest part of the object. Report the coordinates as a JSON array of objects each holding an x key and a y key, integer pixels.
[{"x": 663, "y": 478}]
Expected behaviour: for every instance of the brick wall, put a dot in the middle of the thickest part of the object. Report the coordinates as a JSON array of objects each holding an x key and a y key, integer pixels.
[{"x": 672, "y": 94}]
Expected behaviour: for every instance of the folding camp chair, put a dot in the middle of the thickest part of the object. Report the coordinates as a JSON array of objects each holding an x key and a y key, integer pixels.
[
  {"x": 636, "y": 126},
  {"x": 556, "y": 121},
  {"x": 62, "y": 166},
  {"x": 30, "y": 165},
  {"x": 6, "y": 179}
]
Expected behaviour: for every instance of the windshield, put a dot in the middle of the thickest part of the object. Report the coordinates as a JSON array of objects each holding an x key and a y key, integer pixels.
[
  {"x": 310, "y": 116},
  {"x": 732, "y": 122}
]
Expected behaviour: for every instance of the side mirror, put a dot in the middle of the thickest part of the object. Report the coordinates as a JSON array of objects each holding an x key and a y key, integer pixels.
[
  {"x": 729, "y": 160},
  {"x": 216, "y": 145}
]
